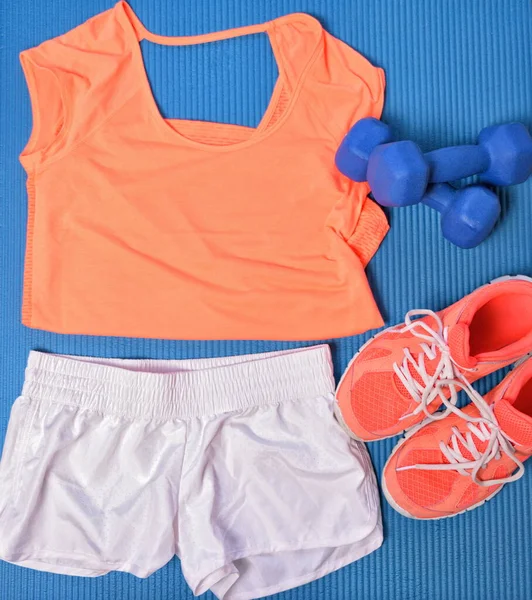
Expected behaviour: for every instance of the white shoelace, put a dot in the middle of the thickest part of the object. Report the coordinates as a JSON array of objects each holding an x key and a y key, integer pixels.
[
  {"x": 484, "y": 428},
  {"x": 425, "y": 393}
]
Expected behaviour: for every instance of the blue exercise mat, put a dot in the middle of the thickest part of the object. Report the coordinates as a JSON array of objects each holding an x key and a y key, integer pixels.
[{"x": 452, "y": 67}]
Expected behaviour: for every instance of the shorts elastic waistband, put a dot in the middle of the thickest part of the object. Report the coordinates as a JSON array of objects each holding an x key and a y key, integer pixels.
[{"x": 173, "y": 389}]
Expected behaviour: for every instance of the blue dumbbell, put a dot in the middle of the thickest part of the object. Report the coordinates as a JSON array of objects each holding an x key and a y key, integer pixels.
[
  {"x": 468, "y": 215},
  {"x": 353, "y": 154},
  {"x": 399, "y": 172}
]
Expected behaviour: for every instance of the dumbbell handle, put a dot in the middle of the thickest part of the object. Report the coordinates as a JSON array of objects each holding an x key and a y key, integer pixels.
[
  {"x": 456, "y": 162},
  {"x": 439, "y": 201}
]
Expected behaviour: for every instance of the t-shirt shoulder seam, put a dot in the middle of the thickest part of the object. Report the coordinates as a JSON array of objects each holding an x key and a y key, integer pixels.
[{"x": 310, "y": 105}]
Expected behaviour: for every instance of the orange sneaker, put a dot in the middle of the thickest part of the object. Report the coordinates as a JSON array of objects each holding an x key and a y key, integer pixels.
[
  {"x": 392, "y": 383},
  {"x": 443, "y": 468}
]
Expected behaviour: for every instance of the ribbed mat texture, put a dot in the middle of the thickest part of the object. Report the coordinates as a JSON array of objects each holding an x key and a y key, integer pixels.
[{"x": 452, "y": 66}]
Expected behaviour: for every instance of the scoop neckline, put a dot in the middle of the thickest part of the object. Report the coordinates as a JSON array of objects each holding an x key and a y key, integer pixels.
[{"x": 261, "y": 131}]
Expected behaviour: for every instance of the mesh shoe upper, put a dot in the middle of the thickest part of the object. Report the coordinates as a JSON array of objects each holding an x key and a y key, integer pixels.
[
  {"x": 380, "y": 393},
  {"x": 429, "y": 493}
]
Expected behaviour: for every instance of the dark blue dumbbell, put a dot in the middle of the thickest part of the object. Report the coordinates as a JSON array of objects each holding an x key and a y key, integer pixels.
[
  {"x": 468, "y": 215},
  {"x": 354, "y": 151},
  {"x": 399, "y": 172}
]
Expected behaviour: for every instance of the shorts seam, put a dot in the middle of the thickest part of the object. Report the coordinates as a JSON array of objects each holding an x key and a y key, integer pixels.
[
  {"x": 362, "y": 455},
  {"x": 156, "y": 418},
  {"x": 123, "y": 416},
  {"x": 33, "y": 554},
  {"x": 368, "y": 544},
  {"x": 371, "y": 485},
  {"x": 327, "y": 568},
  {"x": 291, "y": 545},
  {"x": 118, "y": 384},
  {"x": 180, "y": 493},
  {"x": 89, "y": 378},
  {"x": 29, "y": 419}
]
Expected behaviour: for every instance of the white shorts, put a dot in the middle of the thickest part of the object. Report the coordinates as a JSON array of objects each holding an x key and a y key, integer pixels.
[{"x": 236, "y": 465}]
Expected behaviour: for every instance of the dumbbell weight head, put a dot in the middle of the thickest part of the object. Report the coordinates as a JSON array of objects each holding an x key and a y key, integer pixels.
[
  {"x": 354, "y": 151},
  {"x": 398, "y": 174},
  {"x": 509, "y": 147},
  {"x": 468, "y": 215},
  {"x": 501, "y": 156}
]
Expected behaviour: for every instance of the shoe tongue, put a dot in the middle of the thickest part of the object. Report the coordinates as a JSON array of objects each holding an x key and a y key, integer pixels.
[{"x": 458, "y": 340}]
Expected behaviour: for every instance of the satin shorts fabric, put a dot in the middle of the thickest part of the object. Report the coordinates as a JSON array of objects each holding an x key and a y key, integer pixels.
[{"x": 236, "y": 465}]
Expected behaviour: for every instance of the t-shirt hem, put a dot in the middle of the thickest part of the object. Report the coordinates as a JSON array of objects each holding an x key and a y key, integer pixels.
[{"x": 270, "y": 335}]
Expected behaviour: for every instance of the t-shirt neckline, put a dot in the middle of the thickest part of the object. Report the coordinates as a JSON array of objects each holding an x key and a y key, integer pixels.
[{"x": 270, "y": 28}]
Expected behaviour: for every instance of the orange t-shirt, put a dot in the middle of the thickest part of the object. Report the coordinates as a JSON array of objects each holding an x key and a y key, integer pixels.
[{"x": 168, "y": 228}]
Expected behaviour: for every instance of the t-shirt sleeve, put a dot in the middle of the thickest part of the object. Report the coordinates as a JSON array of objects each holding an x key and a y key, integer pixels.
[
  {"x": 48, "y": 103},
  {"x": 345, "y": 86},
  {"x": 68, "y": 79}
]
